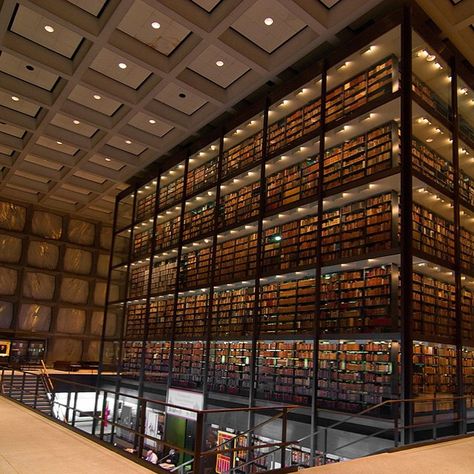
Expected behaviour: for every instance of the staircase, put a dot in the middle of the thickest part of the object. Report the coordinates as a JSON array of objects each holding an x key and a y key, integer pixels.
[{"x": 29, "y": 389}]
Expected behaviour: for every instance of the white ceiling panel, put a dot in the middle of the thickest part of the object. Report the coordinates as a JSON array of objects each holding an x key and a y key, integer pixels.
[
  {"x": 20, "y": 69},
  {"x": 126, "y": 144},
  {"x": 152, "y": 27},
  {"x": 37, "y": 160},
  {"x": 170, "y": 88},
  {"x": 180, "y": 99},
  {"x": 90, "y": 6},
  {"x": 11, "y": 130},
  {"x": 206, "y": 65},
  {"x": 284, "y": 24},
  {"x": 4, "y": 150},
  {"x": 150, "y": 124},
  {"x": 73, "y": 125},
  {"x": 44, "y": 31},
  {"x": 94, "y": 100},
  {"x": 57, "y": 145},
  {"x": 20, "y": 105},
  {"x": 90, "y": 176},
  {"x": 122, "y": 70},
  {"x": 106, "y": 162}
]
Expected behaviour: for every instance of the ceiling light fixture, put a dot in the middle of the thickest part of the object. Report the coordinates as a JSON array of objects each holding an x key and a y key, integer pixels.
[
  {"x": 49, "y": 29},
  {"x": 155, "y": 25},
  {"x": 430, "y": 57},
  {"x": 128, "y": 142},
  {"x": 97, "y": 97},
  {"x": 15, "y": 98},
  {"x": 368, "y": 50},
  {"x": 108, "y": 159},
  {"x": 76, "y": 122},
  {"x": 219, "y": 63},
  {"x": 268, "y": 21},
  {"x": 152, "y": 121},
  {"x": 122, "y": 66},
  {"x": 59, "y": 143}
]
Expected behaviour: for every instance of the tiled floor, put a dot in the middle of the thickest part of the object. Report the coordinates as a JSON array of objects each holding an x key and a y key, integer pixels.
[
  {"x": 30, "y": 444},
  {"x": 450, "y": 457}
]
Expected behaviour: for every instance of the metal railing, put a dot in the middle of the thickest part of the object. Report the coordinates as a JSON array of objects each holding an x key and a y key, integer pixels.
[
  {"x": 133, "y": 439},
  {"x": 131, "y": 436}
]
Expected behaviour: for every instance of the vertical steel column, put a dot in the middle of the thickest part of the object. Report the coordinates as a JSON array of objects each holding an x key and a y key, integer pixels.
[
  {"x": 461, "y": 405},
  {"x": 150, "y": 276},
  {"x": 141, "y": 381},
  {"x": 406, "y": 204},
  {"x": 318, "y": 273},
  {"x": 122, "y": 323},
  {"x": 210, "y": 299},
  {"x": 178, "y": 261},
  {"x": 258, "y": 270}
]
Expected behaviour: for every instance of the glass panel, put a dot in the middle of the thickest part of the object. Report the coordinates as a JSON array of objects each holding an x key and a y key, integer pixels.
[
  {"x": 359, "y": 83},
  {"x": 202, "y": 172},
  {"x": 125, "y": 211},
  {"x": 466, "y": 110},
  {"x": 243, "y": 147},
  {"x": 296, "y": 116},
  {"x": 146, "y": 199},
  {"x": 431, "y": 78}
]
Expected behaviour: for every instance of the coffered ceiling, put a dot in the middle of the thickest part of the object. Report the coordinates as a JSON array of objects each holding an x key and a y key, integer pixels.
[{"x": 93, "y": 91}]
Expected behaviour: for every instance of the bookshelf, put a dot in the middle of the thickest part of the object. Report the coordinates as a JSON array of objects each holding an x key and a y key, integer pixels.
[
  {"x": 187, "y": 367},
  {"x": 239, "y": 206},
  {"x": 432, "y": 234},
  {"x": 157, "y": 360},
  {"x": 358, "y": 228},
  {"x": 429, "y": 97},
  {"x": 434, "y": 368},
  {"x": 361, "y": 156},
  {"x": 229, "y": 367},
  {"x": 236, "y": 259},
  {"x": 430, "y": 164},
  {"x": 289, "y": 232},
  {"x": 242, "y": 156},
  {"x": 232, "y": 312},
  {"x": 287, "y": 307},
  {"x": 354, "y": 375},
  {"x": 285, "y": 371},
  {"x": 190, "y": 317},
  {"x": 433, "y": 308},
  {"x": 359, "y": 301},
  {"x": 292, "y": 185}
]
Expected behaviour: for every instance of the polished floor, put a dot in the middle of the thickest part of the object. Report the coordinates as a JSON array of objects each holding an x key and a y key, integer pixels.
[
  {"x": 31, "y": 444},
  {"x": 449, "y": 457}
]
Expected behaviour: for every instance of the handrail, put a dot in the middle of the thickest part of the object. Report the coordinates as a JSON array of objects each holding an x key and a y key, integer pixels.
[
  {"x": 48, "y": 383},
  {"x": 384, "y": 403}
]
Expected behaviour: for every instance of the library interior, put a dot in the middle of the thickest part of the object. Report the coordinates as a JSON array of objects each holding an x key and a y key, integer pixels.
[{"x": 239, "y": 236}]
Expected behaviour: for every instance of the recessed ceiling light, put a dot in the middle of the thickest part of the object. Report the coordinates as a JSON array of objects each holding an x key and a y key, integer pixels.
[
  {"x": 155, "y": 25},
  {"x": 49, "y": 29},
  {"x": 128, "y": 142},
  {"x": 182, "y": 95},
  {"x": 268, "y": 21},
  {"x": 108, "y": 159},
  {"x": 219, "y": 63},
  {"x": 15, "y": 98},
  {"x": 76, "y": 122},
  {"x": 152, "y": 121},
  {"x": 122, "y": 66},
  {"x": 97, "y": 97},
  {"x": 59, "y": 143}
]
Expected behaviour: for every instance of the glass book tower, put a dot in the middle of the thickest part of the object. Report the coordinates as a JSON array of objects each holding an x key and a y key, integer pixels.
[{"x": 320, "y": 249}]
